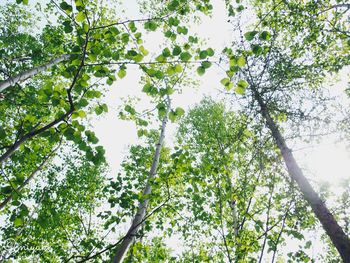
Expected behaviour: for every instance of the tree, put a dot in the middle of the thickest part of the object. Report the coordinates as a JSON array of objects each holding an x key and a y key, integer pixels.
[
  {"x": 227, "y": 186},
  {"x": 266, "y": 76},
  {"x": 54, "y": 103},
  {"x": 141, "y": 211},
  {"x": 57, "y": 224},
  {"x": 234, "y": 176}
]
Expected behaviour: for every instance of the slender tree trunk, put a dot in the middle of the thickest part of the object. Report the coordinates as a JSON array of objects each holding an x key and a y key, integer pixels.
[
  {"x": 31, "y": 72},
  {"x": 32, "y": 134},
  {"x": 329, "y": 223},
  {"x": 141, "y": 212},
  {"x": 35, "y": 132},
  {"x": 30, "y": 177}
]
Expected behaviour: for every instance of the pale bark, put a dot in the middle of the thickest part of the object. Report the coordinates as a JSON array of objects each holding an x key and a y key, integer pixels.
[
  {"x": 141, "y": 211},
  {"x": 31, "y": 72},
  {"x": 339, "y": 239},
  {"x": 38, "y": 131}
]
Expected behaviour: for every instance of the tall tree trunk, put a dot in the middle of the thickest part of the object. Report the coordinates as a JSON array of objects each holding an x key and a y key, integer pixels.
[
  {"x": 329, "y": 223},
  {"x": 141, "y": 212},
  {"x": 38, "y": 131},
  {"x": 31, "y": 72}
]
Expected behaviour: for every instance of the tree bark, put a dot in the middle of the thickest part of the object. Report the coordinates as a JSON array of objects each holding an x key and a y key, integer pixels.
[
  {"x": 339, "y": 239},
  {"x": 31, "y": 72},
  {"x": 32, "y": 134},
  {"x": 141, "y": 212},
  {"x": 35, "y": 132}
]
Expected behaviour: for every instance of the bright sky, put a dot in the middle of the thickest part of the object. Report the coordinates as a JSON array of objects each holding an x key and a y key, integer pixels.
[{"x": 326, "y": 161}]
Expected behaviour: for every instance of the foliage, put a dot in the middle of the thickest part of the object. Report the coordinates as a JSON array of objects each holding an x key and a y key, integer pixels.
[{"x": 221, "y": 187}]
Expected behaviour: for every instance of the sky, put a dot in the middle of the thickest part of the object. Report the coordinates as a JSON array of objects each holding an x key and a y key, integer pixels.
[{"x": 326, "y": 161}]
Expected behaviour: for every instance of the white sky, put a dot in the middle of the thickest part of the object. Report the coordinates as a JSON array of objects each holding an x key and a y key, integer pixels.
[{"x": 324, "y": 162}]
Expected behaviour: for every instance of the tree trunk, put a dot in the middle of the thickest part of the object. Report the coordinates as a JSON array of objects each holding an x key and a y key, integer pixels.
[
  {"x": 31, "y": 72},
  {"x": 141, "y": 212},
  {"x": 329, "y": 223},
  {"x": 32, "y": 134}
]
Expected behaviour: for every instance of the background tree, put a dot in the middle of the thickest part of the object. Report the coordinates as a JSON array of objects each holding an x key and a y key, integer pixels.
[{"x": 270, "y": 79}]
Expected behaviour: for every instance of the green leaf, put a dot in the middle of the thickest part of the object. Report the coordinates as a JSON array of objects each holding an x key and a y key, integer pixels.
[
  {"x": 242, "y": 83},
  {"x": 178, "y": 68},
  {"x": 104, "y": 107},
  {"x": 18, "y": 222},
  {"x": 6, "y": 190},
  {"x": 250, "y": 35},
  {"x": 160, "y": 59},
  {"x": 161, "y": 110},
  {"x": 173, "y": 21},
  {"x": 76, "y": 62},
  {"x": 167, "y": 91},
  {"x": 82, "y": 114},
  {"x": 308, "y": 244},
  {"x": 241, "y": 62},
  {"x": 203, "y": 54},
  {"x": 233, "y": 62},
  {"x": 240, "y": 8},
  {"x": 109, "y": 81},
  {"x": 173, "y": 5},
  {"x": 66, "y": 7},
  {"x": 239, "y": 90},
  {"x": 179, "y": 112},
  {"x": 210, "y": 52},
  {"x": 125, "y": 38},
  {"x": 80, "y": 17},
  {"x": 265, "y": 35},
  {"x": 67, "y": 27},
  {"x": 130, "y": 109},
  {"x": 225, "y": 81},
  {"x": 132, "y": 26},
  {"x": 140, "y": 132},
  {"x": 185, "y": 56},
  {"x": 151, "y": 25},
  {"x": 176, "y": 51},
  {"x": 229, "y": 86},
  {"x": 91, "y": 137},
  {"x": 137, "y": 58},
  {"x": 172, "y": 116},
  {"x": 150, "y": 89},
  {"x": 2, "y": 133},
  {"x": 206, "y": 64},
  {"x": 257, "y": 49},
  {"x": 98, "y": 110},
  {"x": 143, "y": 50},
  {"x": 200, "y": 70},
  {"x": 78, "y": 3},
  {"x": 121, "y": 73},
  {"x": 166, "y": 52},
  {"x": 92, "y": 57}
]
